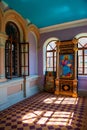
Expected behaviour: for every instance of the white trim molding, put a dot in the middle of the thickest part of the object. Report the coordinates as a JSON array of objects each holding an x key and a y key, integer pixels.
[{"x": 62, "y": 26}]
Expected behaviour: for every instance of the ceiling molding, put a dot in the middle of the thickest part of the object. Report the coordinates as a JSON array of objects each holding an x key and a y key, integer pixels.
[{"x": 67, "y": 25}]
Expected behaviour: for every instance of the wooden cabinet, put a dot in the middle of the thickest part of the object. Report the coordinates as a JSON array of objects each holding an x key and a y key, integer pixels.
[
  {"x": 49, "y": 82},
  {"x": 66, "y": 80}
]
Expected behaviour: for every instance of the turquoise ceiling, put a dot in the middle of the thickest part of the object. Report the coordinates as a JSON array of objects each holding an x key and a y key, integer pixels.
[{"x": 45, "y": 13}]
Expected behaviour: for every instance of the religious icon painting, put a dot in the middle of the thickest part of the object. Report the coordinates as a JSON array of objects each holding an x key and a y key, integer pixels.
[{"x": 66, "y": 66}]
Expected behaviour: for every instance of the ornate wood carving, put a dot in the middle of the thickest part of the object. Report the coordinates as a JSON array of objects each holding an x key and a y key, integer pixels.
[{"x": 66, "y": 81}]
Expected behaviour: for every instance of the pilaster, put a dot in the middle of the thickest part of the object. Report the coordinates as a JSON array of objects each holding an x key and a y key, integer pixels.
[
  {"x": 3, "y": 38},
  {"x": 57, "y": 68},
  {"x": 75, "y": 81}
]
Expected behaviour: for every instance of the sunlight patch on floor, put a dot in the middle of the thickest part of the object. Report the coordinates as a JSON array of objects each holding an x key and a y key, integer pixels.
[
  {"x": 49, "y": 100},
  {"x": 49, "y": 117},
  {"x": 31, "y": 116},
  {"x": 70, "y": 101},
  {"x": 61, "y": 100},
  {"x": 57, "y": 117}
]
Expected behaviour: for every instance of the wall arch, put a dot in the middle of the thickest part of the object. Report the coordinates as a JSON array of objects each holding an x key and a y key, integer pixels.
[
  {"x": 1, "y": 19},
  {"x": 44, "y": 51},
  {"x": 34, "y": 29},
  {"x": 33, "y": 54},
  {"x": 33, "y": 38},
  {"x": 13, "y": 16},
  {"x": 81, "y": 35},
  {"x": 81, "y": 81}
]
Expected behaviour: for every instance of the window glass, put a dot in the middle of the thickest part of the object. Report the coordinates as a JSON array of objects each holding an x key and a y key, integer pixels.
[
  {"x": 79, "y": 52},
  {"x": 80, "y": 59},
  {"x": 80, "y": 70},
  {"x": 85, "y": 61},
  {"x": 85, "y": 70}
]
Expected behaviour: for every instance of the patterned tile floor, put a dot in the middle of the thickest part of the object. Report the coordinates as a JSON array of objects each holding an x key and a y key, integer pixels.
[{"x": 46, "y": 111}]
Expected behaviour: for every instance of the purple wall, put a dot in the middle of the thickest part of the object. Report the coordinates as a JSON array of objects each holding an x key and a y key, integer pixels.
[
  {"x": 82, "y": 83},
  {"x": 65, "y": 34},
  {"x": 32, "y": 55},
  {"x": 62, "y": 35}
]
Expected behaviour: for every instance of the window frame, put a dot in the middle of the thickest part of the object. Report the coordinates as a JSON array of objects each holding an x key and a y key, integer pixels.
[
  {"x": 83, "y": 48},
  {"x": 13, "y": 59},
  {"x": 53, "y": 57}
]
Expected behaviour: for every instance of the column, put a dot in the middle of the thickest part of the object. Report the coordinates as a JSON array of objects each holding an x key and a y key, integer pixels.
[
  {"x": 57, "y": 68},
  {"x": 3, "y": 38},
  {"x": 75, "y": 81}
]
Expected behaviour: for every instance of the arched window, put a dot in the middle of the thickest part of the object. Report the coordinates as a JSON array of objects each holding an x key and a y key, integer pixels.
[
  {"x": 51, "y": 56},
  {"x": 82, "y": 56},
  {"x": 16, "y": 53}
]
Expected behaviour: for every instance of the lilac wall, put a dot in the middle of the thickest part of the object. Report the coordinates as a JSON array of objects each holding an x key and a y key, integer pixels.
[
  {"x": 32, "y": 55},
  {"x": 82, "y": 83},
  {"x": 65, "y": 34}
]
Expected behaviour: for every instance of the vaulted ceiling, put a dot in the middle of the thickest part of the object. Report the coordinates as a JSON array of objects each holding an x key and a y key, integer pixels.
[{"x": 45, "y": 13}]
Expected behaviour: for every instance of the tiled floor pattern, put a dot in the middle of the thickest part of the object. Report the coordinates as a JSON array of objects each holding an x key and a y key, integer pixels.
[{"x": 46, "y": 111}]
